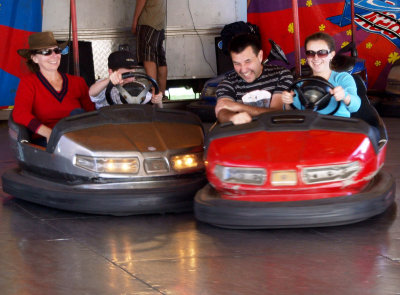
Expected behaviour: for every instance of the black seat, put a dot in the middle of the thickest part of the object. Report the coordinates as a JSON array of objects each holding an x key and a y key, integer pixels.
[
  {"x": 367, "y": 112},
  {"x": 23, "y": 133}
]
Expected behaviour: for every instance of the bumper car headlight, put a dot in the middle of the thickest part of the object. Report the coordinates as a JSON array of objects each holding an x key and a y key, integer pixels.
[
  {"x": 252, "y": 176},
  {"x": 187, "y": 162},
  {"x": 108, "y": 165},
  {"x": 157, "y": 165},
  {"x": 313, "y": 175},
  {"x": 283, "y": 177}
]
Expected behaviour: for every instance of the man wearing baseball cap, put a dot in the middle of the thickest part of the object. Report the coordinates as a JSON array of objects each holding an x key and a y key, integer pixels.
[{"x": 119, "y": 62}]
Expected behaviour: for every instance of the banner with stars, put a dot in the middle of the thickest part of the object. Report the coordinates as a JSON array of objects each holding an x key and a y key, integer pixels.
[
  {"x": 377, "y": 35},
  {"x": 18, "y": 19}
]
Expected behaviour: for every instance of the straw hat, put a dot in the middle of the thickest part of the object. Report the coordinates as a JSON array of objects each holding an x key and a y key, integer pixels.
[{"x": 41, "y": 40}]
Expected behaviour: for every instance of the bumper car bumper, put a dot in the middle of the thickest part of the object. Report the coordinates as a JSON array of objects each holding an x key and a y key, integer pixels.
[
  {"x": 212, "y": 209},
  {"x": 172, "y": 195}
]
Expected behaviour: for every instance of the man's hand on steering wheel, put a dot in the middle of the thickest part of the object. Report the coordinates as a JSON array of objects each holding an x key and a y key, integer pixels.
[
  {"x": 116, "y": 77},
  {"x": 156, "y": 98},
  {"x": 140, "y": 90}
]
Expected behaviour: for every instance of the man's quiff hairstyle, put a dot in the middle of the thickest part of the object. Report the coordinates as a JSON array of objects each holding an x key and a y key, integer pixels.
[{"x": 240, "y": 42}]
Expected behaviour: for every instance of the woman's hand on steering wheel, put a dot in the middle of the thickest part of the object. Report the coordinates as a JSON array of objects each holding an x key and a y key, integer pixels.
[
  {"x": 315, "y": 94},
  {"x": 287, "y": 97},
  {"x": 339, "y": 94}
]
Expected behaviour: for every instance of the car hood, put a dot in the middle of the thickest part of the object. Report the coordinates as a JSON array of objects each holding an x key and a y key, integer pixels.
[
  {"x": 141, "y": 137},
  {"x": 289, "y": 149}
]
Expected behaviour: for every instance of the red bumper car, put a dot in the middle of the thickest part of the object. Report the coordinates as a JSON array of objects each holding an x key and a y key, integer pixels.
[{"x": 296, "y": 169}]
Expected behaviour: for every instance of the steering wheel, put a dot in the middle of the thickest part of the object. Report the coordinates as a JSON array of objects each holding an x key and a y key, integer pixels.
[
  {"x": 314, "y": 93},
  {"x": 134, "y": 92},
  {"x": 277, "y": 52}
]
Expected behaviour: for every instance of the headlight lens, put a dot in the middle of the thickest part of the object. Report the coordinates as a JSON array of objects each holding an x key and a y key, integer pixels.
[
  {"x": 283, "y": 177},
  {"x": 156, "y": 165},
  {"x": 187, "y": 161},
  {"x": 108, "y": 165},
  {"x": 331, "y": 173},
  {"x": 252, "y": 176}
]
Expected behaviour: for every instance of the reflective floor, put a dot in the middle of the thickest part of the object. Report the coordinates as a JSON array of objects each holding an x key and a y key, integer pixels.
[{"x": 46, "y": 251}]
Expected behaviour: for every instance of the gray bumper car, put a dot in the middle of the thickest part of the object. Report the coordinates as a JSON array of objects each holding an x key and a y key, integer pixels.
[{"x": 119, "y": 160}]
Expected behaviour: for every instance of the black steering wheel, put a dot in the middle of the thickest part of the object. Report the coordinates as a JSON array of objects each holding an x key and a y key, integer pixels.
[
  {"x": 134, "y": 92},
  {"x": 277, "y": 52},
  {"x": 314, "y": 93}
]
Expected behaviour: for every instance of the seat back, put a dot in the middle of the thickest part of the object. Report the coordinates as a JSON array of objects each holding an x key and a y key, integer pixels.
[
  {"x": 23, "y": 133},
  {"x": 366, "y": 111}
]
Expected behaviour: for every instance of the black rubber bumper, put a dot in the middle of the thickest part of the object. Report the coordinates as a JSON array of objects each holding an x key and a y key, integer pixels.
[
  {"x": 379, "y": 195},
  {"x": 177, "y": 196}
]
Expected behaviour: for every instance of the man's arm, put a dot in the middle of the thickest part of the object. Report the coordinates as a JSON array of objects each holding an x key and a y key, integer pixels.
[
  {"x": 98, "y": 87},
  {"x": 115, "y": 78},
  {"x": 138, "y": 10},
  {"x": 227, "y": 104},
  {"x": 236, "y": 118},
  {"x": 227, "y": 110},
  {"x": 276, "y": 102}
]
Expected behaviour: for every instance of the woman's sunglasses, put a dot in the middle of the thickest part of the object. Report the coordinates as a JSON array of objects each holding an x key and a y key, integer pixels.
[
  {"x": 320, "y": 53},
  {"x": 56, "y": 50}
]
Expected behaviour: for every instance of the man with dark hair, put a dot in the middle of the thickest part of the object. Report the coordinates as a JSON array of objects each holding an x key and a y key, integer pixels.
[{"x": 253, "y": 88}]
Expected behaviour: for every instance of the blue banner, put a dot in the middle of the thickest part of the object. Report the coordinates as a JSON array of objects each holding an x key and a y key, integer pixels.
[{"x": 18, "y": 19}]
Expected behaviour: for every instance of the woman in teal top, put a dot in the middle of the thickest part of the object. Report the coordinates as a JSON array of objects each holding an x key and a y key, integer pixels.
[{"x": 320, "y": 49}]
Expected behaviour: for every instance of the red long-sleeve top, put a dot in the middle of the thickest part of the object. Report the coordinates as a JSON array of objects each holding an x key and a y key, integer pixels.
[{"x": 37, "y": 102}]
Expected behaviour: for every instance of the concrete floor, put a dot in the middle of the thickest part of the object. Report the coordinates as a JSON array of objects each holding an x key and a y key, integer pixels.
[{"x": 47, "y": 251}]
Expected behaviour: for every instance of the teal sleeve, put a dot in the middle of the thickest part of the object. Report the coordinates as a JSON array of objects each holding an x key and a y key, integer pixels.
[
  {"x": 296, "y": 101},
  {"x": 350, "y": 88}
]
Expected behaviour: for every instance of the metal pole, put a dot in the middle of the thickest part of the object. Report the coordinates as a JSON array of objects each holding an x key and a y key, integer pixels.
[
  {"x": 353, "y": 31},
  {"x": 296, "y": 32},
  {"x": 353, "y": 23},
  {"x": 75, "y": 38}
]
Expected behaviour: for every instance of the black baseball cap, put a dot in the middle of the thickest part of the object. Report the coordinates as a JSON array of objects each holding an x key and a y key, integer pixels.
[{"x": 122, "y": 59}]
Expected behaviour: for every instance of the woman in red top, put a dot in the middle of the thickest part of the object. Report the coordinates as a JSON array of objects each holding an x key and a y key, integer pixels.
[{"x": 46, "y": 96}]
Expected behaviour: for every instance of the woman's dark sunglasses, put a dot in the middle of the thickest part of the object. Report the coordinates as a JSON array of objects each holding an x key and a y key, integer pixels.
[
  {"x": 56, "y": 50},
  {"x": 320, "y": 53}
]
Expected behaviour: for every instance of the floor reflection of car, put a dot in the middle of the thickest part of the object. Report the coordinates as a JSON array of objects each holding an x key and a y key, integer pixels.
[
  {"x": 297, "y": 168},
  {"x": 119, "y": 160}
]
